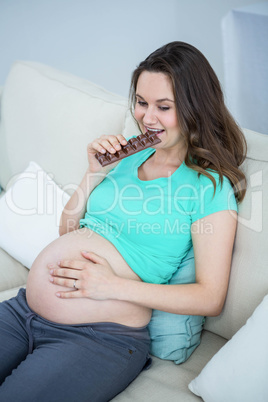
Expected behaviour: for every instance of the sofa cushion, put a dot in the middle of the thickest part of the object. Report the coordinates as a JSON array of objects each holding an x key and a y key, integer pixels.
[
  {"x": 238, "y": 372},
  {"x": 12, "y": 273},
  {"x": 9, "y": 293},
  {"x": 30, "y": 212},
  {"x": 165, "y": 381},
  {"x": 249, "y": 272},
  {"x": 56, "y": 114}
]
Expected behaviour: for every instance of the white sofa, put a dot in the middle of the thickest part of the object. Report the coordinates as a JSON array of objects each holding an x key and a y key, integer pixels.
[{"x": 49, "y": 116}]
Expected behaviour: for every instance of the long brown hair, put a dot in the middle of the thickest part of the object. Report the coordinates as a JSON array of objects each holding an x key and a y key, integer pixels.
[{"x": 214, "y": 140}]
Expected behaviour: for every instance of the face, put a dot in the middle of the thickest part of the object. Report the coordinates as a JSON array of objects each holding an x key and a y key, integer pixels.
[{"x": 155, "y": 108}]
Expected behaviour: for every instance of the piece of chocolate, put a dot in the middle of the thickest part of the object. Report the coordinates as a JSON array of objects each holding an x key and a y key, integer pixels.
[{"x": 134, "y": 145}]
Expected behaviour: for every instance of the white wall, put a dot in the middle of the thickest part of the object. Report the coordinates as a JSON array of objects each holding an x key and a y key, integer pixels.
[{"x": 104, "y": 40}]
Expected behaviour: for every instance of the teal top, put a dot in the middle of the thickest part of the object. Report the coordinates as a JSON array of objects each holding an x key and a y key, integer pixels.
[{"x": 149, "y": 222}]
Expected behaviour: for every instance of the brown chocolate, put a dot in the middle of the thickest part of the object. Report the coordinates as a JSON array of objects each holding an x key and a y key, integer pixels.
[{"x": 134, "y": 145}]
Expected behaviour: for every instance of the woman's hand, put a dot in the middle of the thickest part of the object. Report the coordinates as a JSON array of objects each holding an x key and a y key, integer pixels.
[
  {"x": 110, "y": 143},
  {"x": 92, "y": 278}
]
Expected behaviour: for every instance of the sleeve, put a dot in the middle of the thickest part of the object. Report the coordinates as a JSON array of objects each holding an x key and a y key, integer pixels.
[{"x": 206, "y": 202}]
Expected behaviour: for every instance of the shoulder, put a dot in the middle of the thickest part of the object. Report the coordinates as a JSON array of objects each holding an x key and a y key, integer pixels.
[
  {"x": 203, "y": 182},
  {"x": 221, "y": 186},
  {"x": 208, "y": 198}
]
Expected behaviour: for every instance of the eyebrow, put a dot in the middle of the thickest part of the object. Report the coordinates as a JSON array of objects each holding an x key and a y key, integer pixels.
[{"x": 158, "y": 100}]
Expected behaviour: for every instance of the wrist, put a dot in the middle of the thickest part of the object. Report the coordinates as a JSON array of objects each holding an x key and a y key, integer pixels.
[{"x": 119, "y": 288}]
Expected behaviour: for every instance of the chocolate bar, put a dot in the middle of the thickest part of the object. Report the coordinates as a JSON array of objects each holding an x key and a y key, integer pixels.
[{"x": 134, "y": 145}]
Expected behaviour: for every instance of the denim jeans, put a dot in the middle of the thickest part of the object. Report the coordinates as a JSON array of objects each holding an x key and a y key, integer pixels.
[{"x": 45, "y": 361}]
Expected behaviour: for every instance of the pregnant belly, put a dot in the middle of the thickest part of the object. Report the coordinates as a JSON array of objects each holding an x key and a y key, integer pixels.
[{"x": 41, "y": 294}]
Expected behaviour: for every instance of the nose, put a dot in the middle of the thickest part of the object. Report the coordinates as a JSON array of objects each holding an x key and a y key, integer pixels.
[{"x": 149, "y": 117}]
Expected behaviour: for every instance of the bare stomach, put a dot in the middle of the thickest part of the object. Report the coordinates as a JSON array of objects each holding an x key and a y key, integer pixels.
[{"x": 41, "y": 293}]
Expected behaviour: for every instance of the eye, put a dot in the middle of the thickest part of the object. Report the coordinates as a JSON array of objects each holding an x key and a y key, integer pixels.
[
  {"x": 141, "y": 103},
  {"x": 164, "y": 108}
]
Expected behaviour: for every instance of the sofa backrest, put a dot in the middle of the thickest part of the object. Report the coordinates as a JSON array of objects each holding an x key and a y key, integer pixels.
[
  {"x": 49, "y": 117},
  {"x": 249, "y": 273}
]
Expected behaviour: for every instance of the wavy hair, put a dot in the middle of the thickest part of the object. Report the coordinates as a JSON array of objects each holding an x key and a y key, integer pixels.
[{"x": 214, "y": 140}]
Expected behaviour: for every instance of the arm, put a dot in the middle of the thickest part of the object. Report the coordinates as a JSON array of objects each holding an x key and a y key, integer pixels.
[
  {"x": 76, "y": 207},
  {"x": 213, "y": 254}
]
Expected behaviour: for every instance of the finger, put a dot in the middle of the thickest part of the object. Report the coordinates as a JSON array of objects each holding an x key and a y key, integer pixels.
[
  {"x": 121, "y": 139},
  {"x": 115, "y": 141},
  {"x": 89, "y": 255},
  {"x": 68, "y": 283},
  {"x": 70, "y": 294},
  {"x": 94, "y": 147},
  {"x": 64, "y": 272},
  {"x": 111, "y": 144},
  {"x": 72, "y": 264}
]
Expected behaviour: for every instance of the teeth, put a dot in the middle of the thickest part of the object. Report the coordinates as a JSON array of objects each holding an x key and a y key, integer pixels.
[{"x": 155, "y": 130}]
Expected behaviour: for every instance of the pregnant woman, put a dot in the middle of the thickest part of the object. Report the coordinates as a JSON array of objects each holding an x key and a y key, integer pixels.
[{"x": 79, "y": 331}]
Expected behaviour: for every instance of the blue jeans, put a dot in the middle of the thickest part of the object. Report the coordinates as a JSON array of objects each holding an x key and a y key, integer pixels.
[{"x": 45, "y": 361}]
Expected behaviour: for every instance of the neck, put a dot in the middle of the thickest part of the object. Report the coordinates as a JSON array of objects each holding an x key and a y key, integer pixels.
[{"x": 172, "y": 157}]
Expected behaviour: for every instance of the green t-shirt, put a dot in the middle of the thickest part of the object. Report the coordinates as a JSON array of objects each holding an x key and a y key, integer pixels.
[{"x": 149, "y": 222}]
